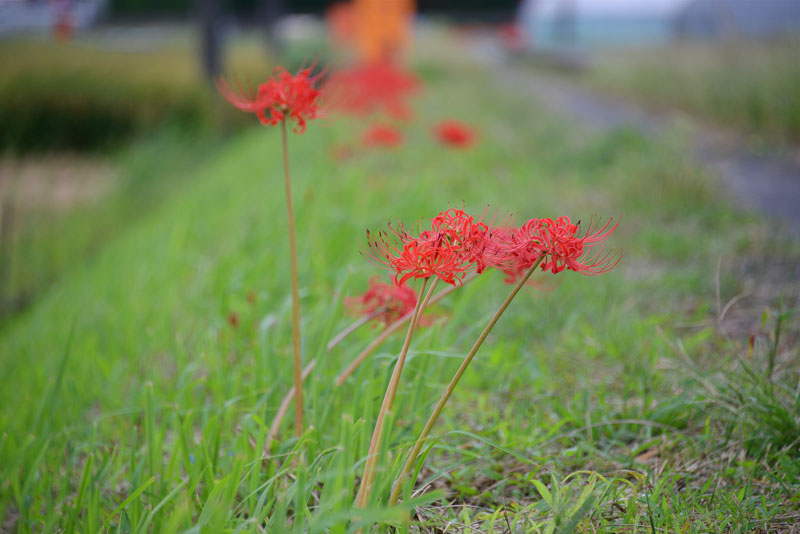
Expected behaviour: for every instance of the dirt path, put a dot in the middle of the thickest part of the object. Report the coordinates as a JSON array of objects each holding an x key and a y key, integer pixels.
[{"x": 768, "y": 182}]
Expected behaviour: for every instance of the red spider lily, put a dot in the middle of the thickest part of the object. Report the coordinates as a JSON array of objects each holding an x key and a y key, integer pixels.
[
  {"x": 282, "y": 96},
  {"x": 455, "y": 244},
  {"x": 471, "y": 235},
  {"x": 428, "y": 255},
  {"x": 517, "y": 249},
  {"x": 386, "y": 303},
  {"x": 373, "y": 87},
  {"x": 233, "y": 319},
  {"x": 454, "y": 133},
  {"x": 565, "y": 249},
  {"x": 558, "y": 242},
  {"x": 382, "y": 135}
]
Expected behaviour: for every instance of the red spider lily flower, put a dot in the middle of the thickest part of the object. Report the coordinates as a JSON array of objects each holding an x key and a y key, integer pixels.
[
  {"x": 454, "y": 133},
  {"x": 430, "y": 254},
  {"x": 565, "y": 249},
  {"x": 385, "y": 303},
  {"x": 382, "y": 135},
  {"x": 371, "y": 88},
  {"x": 557, "y": 242},
  {"x": 455, "y": 245},
  {"x": 233, "y": 319},
  {"x": 470, "y": 234},
  {"x": 281, "y": 97},
  {"x": 517, "y": 249}
]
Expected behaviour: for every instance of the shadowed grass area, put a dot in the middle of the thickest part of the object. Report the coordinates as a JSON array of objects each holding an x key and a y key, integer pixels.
[
  {"x": 749, "y": 85},
  {"x": 103, "y": 89},
  {"x": 132, "y": 403}
]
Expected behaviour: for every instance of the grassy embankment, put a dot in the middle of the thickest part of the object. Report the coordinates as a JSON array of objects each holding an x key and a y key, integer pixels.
[
  {"x": 612, "y": 403},
  {"x": 752, "y": 86},
  {"x": 100, "y": 129}
]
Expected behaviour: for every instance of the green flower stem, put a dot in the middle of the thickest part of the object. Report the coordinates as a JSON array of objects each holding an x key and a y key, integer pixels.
[
  {"x": 368, "y": 477},
  {"x": 412, "y": 457},
  {"x": 298, "y": 360}
]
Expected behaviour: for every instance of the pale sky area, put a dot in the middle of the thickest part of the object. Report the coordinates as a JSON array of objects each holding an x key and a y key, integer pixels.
[{"x": 613, "y": 7}]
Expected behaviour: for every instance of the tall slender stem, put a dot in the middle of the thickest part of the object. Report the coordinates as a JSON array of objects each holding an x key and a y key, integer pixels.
[
  {"x": 368, "y": 476},
  {"x": 361, "y": 321},
  {"x": 391, "y": 329},
  {"x": 298, "y": 360},
  {"x": 283, "y": 408},
  {"x": 412, "y": 456}
]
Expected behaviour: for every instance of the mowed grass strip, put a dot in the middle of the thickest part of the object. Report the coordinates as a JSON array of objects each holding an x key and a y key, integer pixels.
[{"x": 131, "y": 402}]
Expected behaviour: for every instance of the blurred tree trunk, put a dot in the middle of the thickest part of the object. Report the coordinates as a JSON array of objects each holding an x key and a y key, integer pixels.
[{"x": 210, "y": 38}]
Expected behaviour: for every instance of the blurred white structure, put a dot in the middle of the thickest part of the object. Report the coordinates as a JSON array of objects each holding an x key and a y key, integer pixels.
[
  {"x": 586, "y": 23},
  {"x": 559, "y": 24}
]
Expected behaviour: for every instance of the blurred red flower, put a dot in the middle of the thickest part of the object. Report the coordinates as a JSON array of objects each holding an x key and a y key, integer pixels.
[
  {"x": 382, "y": 135},
  {"x": 373, "y": 87},
  {"x": 341, "y": 152},
  {"x": 385, "y": 303},
  {"x": 281, "y": 97},
  {"x": 454, "y": 133}
]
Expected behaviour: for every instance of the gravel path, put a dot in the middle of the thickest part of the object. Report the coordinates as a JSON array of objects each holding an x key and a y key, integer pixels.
[{"x": 768, "y": 182}]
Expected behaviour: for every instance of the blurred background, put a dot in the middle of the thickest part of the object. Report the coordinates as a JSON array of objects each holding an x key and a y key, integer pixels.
[
  {"x": 103, "y": 102},
  {"x": 144, "y": 315}
]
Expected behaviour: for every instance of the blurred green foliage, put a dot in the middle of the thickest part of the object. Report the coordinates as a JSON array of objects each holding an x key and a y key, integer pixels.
[
  {"x": 750, "y": 85},
  {"x": 82, "y": 96}
]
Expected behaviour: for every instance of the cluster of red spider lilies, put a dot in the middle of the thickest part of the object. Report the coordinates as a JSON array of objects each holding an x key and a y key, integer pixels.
[
  {"x": 454, "y": 247},
  {"x": 366, "y": 90}
]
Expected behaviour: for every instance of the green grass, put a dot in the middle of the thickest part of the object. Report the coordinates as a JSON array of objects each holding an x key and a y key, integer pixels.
[
  {"x": 599, "y": 404},
  {"x": 47, "y": 242},
  {"x": 751, "y": 86}
]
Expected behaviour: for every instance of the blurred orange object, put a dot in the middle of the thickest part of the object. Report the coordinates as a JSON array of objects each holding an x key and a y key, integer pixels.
[
  {"x": 383, "y": 28},
  {"x": 341, "y": 23}
]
